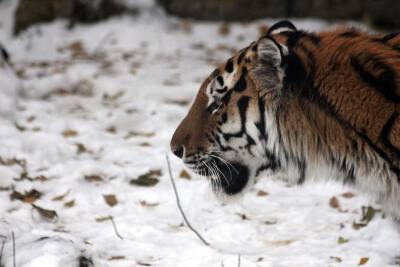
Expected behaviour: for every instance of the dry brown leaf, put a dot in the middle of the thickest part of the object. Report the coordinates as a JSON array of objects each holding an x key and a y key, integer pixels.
[
  {"x": 27, "y": 197},
  {"x": 93, "y": 178},
  {"x": 61, "y": 197},
  {"x": 348, "y": 195},
  {"x": 185, "y": 175},
  {"x": 69, "y": 133},
  {"x": 103, "y": 219},
  {"x": 116, "y": 258},
  {"x": 147, "y": 179},
  {"x": 179, "y": 102},
  {"x": 341, "y": 240},
  {"x": 262, "y": 193},
  {"x": 363, "y": 261},
  {"x": 334, "y": 203},
  {"x": 69, "y": 204},
  {"x": 111, "y": 200},
  {"x": 144, "y": 203},
  {"x": 282, "y": 242},
  {"x": 224, "y": 29},
  {"x": 139, "y": 134},
  {"x": 111, "y": 129},
  {"x": 45, "y": 213},
  {"x": 336, "y": 259},
  {"x": 80, "y": 148}
]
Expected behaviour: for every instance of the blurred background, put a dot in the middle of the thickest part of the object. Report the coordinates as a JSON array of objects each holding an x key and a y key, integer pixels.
[
  {"x": 383, "y": 13},
  {"x": 90, "y": 94}
]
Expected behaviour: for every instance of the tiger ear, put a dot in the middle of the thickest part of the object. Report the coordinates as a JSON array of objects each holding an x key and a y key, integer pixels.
[{"x": 271, "y": 52}]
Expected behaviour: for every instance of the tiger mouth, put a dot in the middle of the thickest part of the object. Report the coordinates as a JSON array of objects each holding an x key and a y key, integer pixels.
[{"x": 228, "y": 177}]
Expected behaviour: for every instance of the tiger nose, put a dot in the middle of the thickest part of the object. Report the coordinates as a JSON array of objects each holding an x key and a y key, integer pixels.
[{"x": 178, "y": 151}]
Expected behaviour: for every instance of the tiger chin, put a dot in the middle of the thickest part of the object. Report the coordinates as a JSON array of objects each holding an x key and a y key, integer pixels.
[{"x": 302, "y": 105}]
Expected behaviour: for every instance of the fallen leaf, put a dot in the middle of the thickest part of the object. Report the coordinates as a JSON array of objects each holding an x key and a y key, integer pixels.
[
  {"x": 282, "y": 242},
  {"x": 342, "y": 240},
  {"x": 111, "y": 200},
  {"x": 147, "y": 179},
  {"x": 143, "y": 263},
  {"x": 69, "y": 133},
  {"x": 27, "y": 197},
  {"x": 337, "y": 259},
  {"x": 103, "y": 219},
  {"x": 69, "y": 204},
  {"x": 224, "y": 29},
  {"x": 242, "y": 215},
  {"x": 80, "y": 148},
  {"x": 111, "y": 129},
  {"x": 131, "y": 134},
  {"x": 115, "y": 258},
  {"x": 262, "y": 193},
  {"x": 20, "y": 127},
  {"x": 93, "y": 178},
  {"x": 368, "y": 213},
  {"x": 61, "y": 197},
  {"x": 144, "y": 203},
  {"x": 348, "y": 195},
  {"x": 185, "y": 175},
  {"x": 179, "y": 102},
  {"x": 334, "y": 203},
  {"x": 48, "y": 214},
  {"x": 358, "y": 226},
  {"x": 363, "y": 261}
]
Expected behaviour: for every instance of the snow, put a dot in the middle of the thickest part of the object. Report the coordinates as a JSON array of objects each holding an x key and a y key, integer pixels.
[{"x": 106, "y": 108}]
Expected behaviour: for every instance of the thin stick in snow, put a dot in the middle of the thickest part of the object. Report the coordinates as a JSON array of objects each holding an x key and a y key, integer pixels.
[
  {"x": 115, "y": 228},
  {"x": 2, "y": 248},
  {"x": 13, "y": 239},
  {"x": 178, "y": 202}
]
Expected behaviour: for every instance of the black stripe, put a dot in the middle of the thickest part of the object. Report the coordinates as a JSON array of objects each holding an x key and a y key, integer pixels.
[
  {"x": 381, "y": 77},
  {"x": 350, "y": 34},
  {"x": 241, "y": 56},
  {"x": 222, "y": 90},
  {"x": 240, "y": 85},
  {"x": 301, "y": 165},
  {"x": 281, "y": 24},
  {"x": 220, "y": 80},
  {"x": 386, "y": 131},
  {"x": 229, "y": 66},
  {"x": 389, "y": 36}
]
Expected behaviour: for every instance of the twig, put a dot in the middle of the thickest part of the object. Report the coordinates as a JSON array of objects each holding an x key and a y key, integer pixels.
[
  {"x": 2, "y": 248},
  {"x": 13, "y": 239},
  {"x": 180, "y": 207},
  {"x": 115, "y": 228}
]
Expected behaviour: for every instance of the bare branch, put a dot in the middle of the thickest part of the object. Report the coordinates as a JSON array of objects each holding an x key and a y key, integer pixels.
[
  {"x": 2, "y": 248},
  {"x": 115, "y": 228},
  {"x": 178, "y": 202}
]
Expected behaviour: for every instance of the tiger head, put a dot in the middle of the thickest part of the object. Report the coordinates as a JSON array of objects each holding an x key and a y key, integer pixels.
[{"x": 224, "y": 135}]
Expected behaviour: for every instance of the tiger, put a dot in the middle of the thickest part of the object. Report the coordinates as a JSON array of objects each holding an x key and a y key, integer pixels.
[{"x": 300, "y": 106}]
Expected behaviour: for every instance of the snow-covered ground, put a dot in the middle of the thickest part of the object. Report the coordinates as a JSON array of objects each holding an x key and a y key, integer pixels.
[{"x": 96, "y": 109}]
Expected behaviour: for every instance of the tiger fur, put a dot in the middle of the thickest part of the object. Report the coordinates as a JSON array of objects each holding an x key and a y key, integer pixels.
[{"x": 301, "y": 106}]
